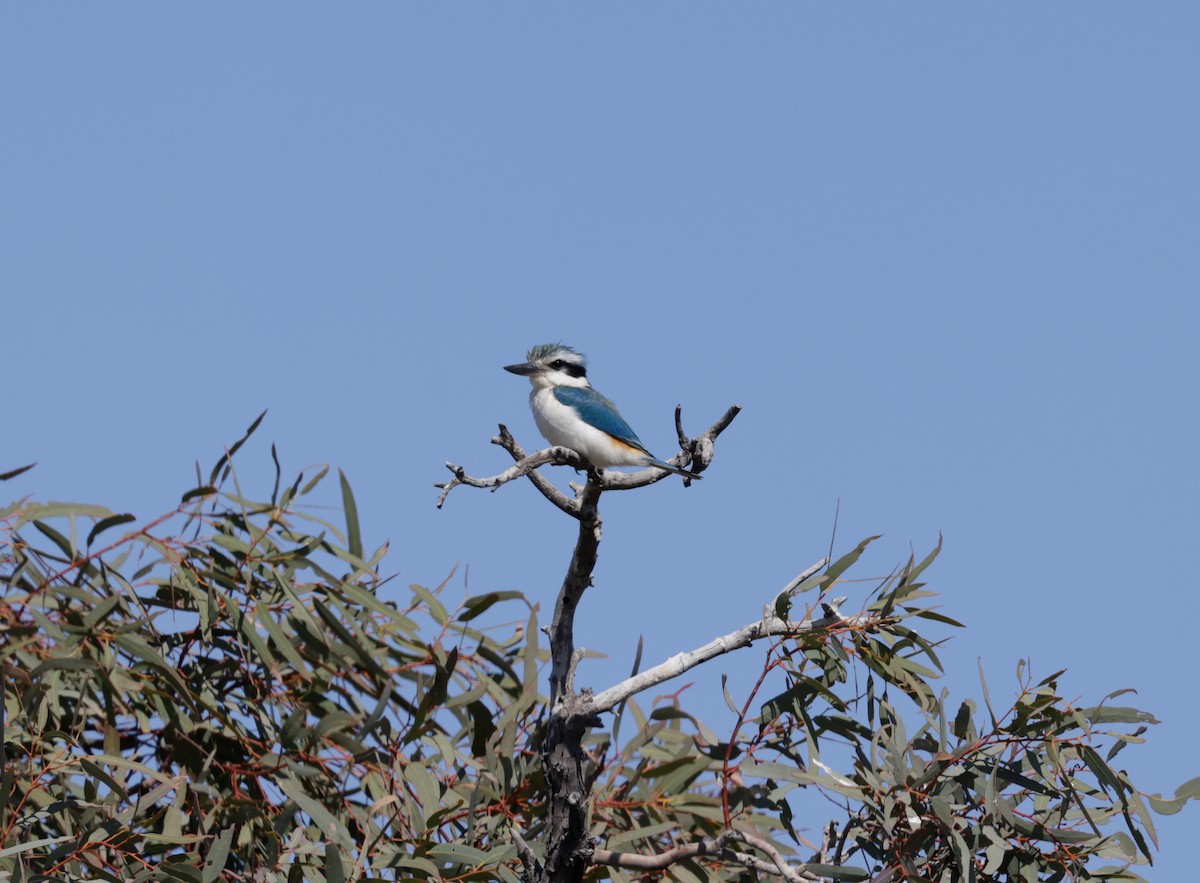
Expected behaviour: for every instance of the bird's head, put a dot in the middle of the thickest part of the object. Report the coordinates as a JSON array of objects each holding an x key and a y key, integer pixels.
[{"x": 552, "y": 364}]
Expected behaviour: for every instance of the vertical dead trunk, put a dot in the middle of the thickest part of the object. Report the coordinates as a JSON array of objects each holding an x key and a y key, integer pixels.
[{"x": 567, "y": 848}]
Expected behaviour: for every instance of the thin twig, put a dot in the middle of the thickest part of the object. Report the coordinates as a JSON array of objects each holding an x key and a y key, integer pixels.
[{"x": 523, "y": 467}]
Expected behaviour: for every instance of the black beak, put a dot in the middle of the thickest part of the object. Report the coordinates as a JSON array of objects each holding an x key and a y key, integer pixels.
[{"x": 524, "y": 369}]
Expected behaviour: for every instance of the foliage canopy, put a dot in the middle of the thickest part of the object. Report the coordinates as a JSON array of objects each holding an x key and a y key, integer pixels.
[{"x": 224, "y": 694}]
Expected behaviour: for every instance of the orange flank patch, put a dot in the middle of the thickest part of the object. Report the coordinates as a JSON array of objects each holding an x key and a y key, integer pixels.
[{"x": 625, "y": 446}]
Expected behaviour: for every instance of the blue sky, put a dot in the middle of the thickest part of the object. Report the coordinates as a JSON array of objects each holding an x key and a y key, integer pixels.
[{"x": 945, "y": 257}]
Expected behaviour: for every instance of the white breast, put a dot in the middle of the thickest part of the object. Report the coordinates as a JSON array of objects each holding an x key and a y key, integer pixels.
[{"x": 562, "y": 426}]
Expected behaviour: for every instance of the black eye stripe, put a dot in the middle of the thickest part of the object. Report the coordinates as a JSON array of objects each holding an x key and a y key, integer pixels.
[{"x": 572, "y": 369}]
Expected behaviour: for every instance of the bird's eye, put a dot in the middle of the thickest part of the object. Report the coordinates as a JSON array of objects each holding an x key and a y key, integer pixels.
[{"x": 557, "y": 363}]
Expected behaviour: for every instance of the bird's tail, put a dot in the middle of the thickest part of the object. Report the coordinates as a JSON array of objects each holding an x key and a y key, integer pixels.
[{"x": 654, "y": 461}]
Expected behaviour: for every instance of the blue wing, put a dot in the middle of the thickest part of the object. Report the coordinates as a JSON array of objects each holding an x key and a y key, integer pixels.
[{"x": 597, "y": 410}]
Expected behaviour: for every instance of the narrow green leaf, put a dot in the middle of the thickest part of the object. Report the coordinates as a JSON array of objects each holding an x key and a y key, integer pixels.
[
  {"x": 1166, "y": 807},
  {"x": 282, "y": 642},
  {"x": 324, "y": 821},
  {"x": 278, "y": 475},
  {"x": 105, "y": 523},
  {"x": 1005, "y": 772},
  {"x": 113, "y": 760},
  {"x": 729, "y": 701},
  {"x": 934, "y": 616},
  {"x": 176, "y": 870},
  {"x": 68, "y": 664},
  {"x": 686, "y": 872},
  {"x": 912, "y": 574},
  {"x": 424, "y": 865},
  {"x": 837, "y": 872},
  {"x": 620, "y": 714},
  {"x": 1049, "y": 680},
  {"x": 335, "y": 871},
  {"x": 97, "y": 773},
  {"x": 502, "y": 665},
  {"x": 206, "y": 490},
  {"x": 350, "y": 640},
  {"x": 1112, "y": 714},
  {"x": 435, "y": 607},
  {"x": 427, "y": 788},
  {"x": 332, "y": 722},
  {"x": 1189, "y": 789},
  {"x": 1067, "y": 835},
  {"x": 228, "y": 455},
  {"x": 353, "y": 536},
  {"x": 482, "y": 727},
  {"x": 64, "y": 545},
  {"x": 43, "y": 511},
  {"x": 218, "y": 854},
  {"x": 810, "y": 727},
  {"x": 458, "y": 854},
  {"x": 501, "y": 870},
  {"x": 783, "y": 605},
  {"x": 646, "y": 834},
  {"x": 34, "y": 844},
  {"x": 670, "y": 713},
  {"x": 314, "y": 481},
  {"x": 719, "y": 751},
  {"x": 245, "y": 625},
  {"x": 477, "y": 604},
  {"x": 1102, "y": 771},
  {"x": 844, "y": 563},
  {"x": 13, "y": 473},
  {"x": 1143, "y": 813},
  {"x": 135, "y": 646},
  {"x": 290, "y": 493},
  {"x": 356, "y": 594},
  {"x": 987, "y": 699}
]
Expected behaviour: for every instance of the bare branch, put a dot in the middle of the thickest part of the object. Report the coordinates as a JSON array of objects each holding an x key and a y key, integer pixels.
[
  {"x": 545, "y": 487},
  {"x": 532, "y": 868},
  {"x": 755, "y": 863},
  {"x": 627, "y": 481},
  {"x": 695, "y": 454},
  {"x": 777, "y": 865},
  {"x": 658, "y": 861},
  {"x": 829, "y": 838},
  {"x": 573, "y": 666},
  {"x": 769, "y": 626},
  {"x": 799, "y": 579},
  {"x": 524, "y": 466},
  {"x": 722, "y": 424}
]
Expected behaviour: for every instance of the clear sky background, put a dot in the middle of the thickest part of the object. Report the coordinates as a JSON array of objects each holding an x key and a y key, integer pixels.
[{"x": 946, "y": 257}]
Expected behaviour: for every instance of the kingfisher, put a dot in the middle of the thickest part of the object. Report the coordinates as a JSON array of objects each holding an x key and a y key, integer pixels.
[{"x": 571, "y": 414}]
